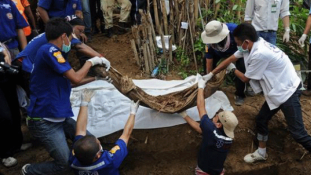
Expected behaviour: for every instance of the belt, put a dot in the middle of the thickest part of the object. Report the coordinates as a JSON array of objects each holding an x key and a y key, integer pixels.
[
  {"x": 267, "y": 31},
  {"x": 33, "y": 119}
]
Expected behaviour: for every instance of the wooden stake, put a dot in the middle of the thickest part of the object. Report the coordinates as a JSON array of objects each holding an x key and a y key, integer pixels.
[
  {"x": 146, "y": 58},
  {"x": 164, "y": 13},
  {"x": 156, "y": 16},
  {"x": 170, "y": 50},
  {"x": 135, "y": 52},
  {"x": 196, "y": 10},
  {"x": 191, "y": 38}
]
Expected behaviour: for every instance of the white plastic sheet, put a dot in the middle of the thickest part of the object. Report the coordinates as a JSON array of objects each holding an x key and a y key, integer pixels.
[{"x": 109, "y": 109}]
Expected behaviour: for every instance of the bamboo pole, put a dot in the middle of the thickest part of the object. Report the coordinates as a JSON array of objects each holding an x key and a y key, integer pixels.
[
  {"x": 191, "y": 39},
  {"x": 170, "y": 49},
  {"x": 146, "y": 58},
  {"x": 135, "y": 52},
  {"x": 216, "y": 10},
  {"x": 164, "y": 16},
  {"x": 238, "y": 12},
  {"x": 171, "y": 26},
  {"x": 196, "y": 10},
  {"x": 156, "y": 16},
  {"x": 148, "y": 6}
]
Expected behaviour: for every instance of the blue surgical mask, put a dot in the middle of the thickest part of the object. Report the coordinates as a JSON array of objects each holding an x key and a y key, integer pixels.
[
  {"x": 241, "y": 49},
  {"x": 66, "y": 48}
]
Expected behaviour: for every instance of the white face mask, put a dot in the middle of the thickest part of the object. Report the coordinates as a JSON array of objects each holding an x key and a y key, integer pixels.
[{"x": 240, "y": 48}]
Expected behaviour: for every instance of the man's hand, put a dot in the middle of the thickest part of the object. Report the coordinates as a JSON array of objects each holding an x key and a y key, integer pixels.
[
  {"x": 108, "y": 79},
  {"x": 100, "y": 61},
  {"x": 83, "y": 38},
  {"x": 302, "y": 39},
  {"x": 208, "y": 76},
  {"x": 87, "y": 95},
  {"x": 201, "y": 82},
  {"x": 183, "y": 114},
  {"x": 134, "y": 107},
  {"x": 286, "y": 35},
  {"x": 230, "y": 67}
]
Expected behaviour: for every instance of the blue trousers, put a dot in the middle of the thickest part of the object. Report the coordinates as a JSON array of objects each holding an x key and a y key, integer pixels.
[
  {"x": 268, "y": 36},
  {"x": 293, "y": 115},
  {"x": 53, "y": 136},
  {"x": 87, "y": 15}
]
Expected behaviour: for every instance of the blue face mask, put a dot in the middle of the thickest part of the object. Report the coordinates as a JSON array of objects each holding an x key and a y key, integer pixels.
[
  {"x": 66, "y": 48},
  {"x": 240, "y": 48}
]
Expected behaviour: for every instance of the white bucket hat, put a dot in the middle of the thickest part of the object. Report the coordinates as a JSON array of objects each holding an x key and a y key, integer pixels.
[
  {"x": 229, "y": 122},
  {"x": 214, "y": 32}
]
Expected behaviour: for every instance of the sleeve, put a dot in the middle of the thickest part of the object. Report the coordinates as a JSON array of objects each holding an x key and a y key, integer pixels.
[
  {"x": 25, "y": 3},
  {"x": 46, "y": 4},
  {"x": 284, "y": 9},
  {"x": 119, "y": 152},
  {"x": 257, "y": 67},
  {"x": 206, "y": 125},
  {"x": 209, "y": 52},
  {"x": 238, "y": 54},
  {"x": 75, "y": 41},
  {"x": 249, "y": 10},
  {"x": 18, "y": 18},
  {"x": 79, "y": 6},
  {"x": 56, "y": 60}
]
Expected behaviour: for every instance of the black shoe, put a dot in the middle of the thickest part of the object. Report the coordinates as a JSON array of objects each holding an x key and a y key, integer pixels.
[
  {"x": 123, "y": 28},
  {"x": 238, "y": 100},
  {"x": 102, "y": 27},
  {"x": 109, "y": 33}
]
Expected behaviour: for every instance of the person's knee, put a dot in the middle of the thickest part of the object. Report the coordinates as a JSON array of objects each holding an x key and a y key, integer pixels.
[
  {"x": 262, "y": 138},
  {"x": 127, "y": 5}
]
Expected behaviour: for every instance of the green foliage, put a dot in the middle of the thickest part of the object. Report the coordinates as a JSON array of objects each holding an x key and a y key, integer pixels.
[{"x": 182, "y": 57}]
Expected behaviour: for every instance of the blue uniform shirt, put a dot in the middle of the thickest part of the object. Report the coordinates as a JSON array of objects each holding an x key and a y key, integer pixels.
[
  {"x": 49, "y": 89},
  {"x": 214, "y": 148},
  {"x": 72, "y": 6},
  {"x": 29, "y": 53},
  {"x": 10, "y": 20},
  {"x": 60, "y": 8},
  {"x": 108, "y": 163},
  {"x": 217, "y": 55}
]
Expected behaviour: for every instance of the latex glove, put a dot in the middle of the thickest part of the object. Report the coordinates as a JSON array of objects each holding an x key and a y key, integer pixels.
[
  {"x": 183, "y": 114},
  {"x": 286, "y": 35},
  {"x": 230, "y": 67},
  {"x": 302, "y": 39},
  {"x": 108, "y": 79},
  {"x": 134, "y": 107},
  {"x": 201, "y": 82},
  {"x": 95, "y": 60},
  {"x": 87, "y": 95},
  {"x": 208, "y": 76},
  {"x": 106, "y": 62}
]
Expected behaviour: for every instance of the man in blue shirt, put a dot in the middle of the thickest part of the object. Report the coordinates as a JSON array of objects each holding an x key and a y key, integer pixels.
[
  {"x": 26, "y": 58},
  {"x": 58, "y": 8},
  {"x": 88, "y": 156},
  {"x": 11, "y": 34},
  {"x": 50, "y": 111},
  {"x": 220, "y": 44},
  {"x": 218, "y": 134}
]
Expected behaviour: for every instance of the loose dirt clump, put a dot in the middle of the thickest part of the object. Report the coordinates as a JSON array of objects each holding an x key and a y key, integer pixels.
[{"x": 173, "y": 150}]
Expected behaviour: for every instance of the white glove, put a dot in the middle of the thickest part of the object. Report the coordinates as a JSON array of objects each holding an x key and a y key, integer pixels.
[
  {"x": 134, "y": 107},
  {"x": 108, "y": 79},
  {"x": 95, "y": 60},
  {"x": 230, "y": 67},
  {"x": 183, "y": 114},
  {"x": 286, "y": 35},
  {"x": 201, "y": 81},
  {"x": 87, "y": 95},
  {"x": 106, "y": 62},
  {"x": 100, "y": 61},
  {"x": 208, "y": 76},
  {"x": 302, "y": 39}
]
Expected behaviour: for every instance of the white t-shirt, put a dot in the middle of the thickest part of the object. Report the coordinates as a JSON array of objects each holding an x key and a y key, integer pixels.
[{"x": 270, "y": 71}]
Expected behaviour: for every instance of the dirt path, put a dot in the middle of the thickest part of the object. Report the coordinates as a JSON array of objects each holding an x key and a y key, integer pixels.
[{"x": 174, "y": 150}]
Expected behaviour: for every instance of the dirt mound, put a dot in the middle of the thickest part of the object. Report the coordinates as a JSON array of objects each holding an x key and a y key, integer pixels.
[{"x": 174, "y": 150}]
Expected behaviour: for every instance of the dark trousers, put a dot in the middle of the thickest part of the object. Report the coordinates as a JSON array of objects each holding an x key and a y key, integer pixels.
[
  {"x": 96, "y": 13},
  {"x": 239, "y": 85},
  {"x": 10, "y": 120},
  {"x": 309, "y": 68},
  {"x": 293, "y": 115}
]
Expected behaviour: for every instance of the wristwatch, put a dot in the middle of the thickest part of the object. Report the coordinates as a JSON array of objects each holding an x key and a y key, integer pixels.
[{"x": 232, "y": 70}]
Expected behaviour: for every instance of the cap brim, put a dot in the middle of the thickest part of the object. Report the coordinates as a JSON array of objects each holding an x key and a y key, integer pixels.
[
  {"x": 215, "y": 39},
  {"x": 229, "y": 133}
]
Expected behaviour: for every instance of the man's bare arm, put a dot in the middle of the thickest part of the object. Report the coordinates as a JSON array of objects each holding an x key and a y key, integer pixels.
[
  {"x": 43, "y": 14},
  {"x": 86, "y": 50},
  {"x": 223, "y": 65},
  {"x": 128, "y": 128},
  {"x": 21, "y": 38}
]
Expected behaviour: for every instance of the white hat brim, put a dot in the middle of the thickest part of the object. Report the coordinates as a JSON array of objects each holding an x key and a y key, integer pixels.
[{"x": 215, "y": 39}]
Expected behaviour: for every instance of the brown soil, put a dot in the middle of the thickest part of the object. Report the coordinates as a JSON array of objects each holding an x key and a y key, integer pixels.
[{"x": 174, "y": 150}]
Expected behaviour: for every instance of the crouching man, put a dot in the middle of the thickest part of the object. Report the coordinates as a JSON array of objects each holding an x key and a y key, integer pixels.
[
  {"x": 88, "y": 156},
  {"x": 217, "y": 134}
]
